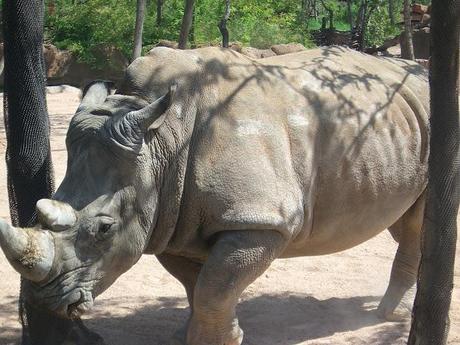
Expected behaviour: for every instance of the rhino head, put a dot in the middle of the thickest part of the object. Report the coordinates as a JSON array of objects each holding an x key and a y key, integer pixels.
[{"x": 97, "y": 225}]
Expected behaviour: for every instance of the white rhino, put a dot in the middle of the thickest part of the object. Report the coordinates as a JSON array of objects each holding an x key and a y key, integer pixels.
[{"x": 241, "y": 163}]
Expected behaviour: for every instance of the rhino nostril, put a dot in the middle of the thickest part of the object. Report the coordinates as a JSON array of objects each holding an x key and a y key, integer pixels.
[{"x": 84, "y": 303}]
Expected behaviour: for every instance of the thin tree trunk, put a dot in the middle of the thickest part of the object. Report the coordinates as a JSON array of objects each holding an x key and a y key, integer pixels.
[
  {"x": 430, "y": 323},
  {"x": 223, "y": 25},
  {"x": 407, "y": 46},
  {"x": 159, "y": 12},
  {"x": 350, "y": 14},
  {"x": 186, "y": 23},
  {"x": 51, "y": 7},
  {"x": 140, "y": 16},
  {"x": 192, "y": 32},
  {"x": 391, "y": 11},
  {"x": 331, "y": 15},
  {"x": 303, "y": 11},
  {"x": 367, "y": 16},
  {"x": 360, "y": 24}
]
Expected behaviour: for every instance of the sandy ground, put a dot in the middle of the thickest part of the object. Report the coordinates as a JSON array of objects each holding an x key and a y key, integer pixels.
[{"x": 312, "y": 300}]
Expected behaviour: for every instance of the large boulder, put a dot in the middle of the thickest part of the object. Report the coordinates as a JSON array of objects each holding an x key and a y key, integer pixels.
[
  {"x": 282, "y": 49},
  {"x": 168, "y": 44},
  {"x": 62, "y": 67},
  {"x": 256, "y": 53}
]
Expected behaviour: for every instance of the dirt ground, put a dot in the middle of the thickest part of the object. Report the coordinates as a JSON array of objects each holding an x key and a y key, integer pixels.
[{"x": 311, "y": 300}]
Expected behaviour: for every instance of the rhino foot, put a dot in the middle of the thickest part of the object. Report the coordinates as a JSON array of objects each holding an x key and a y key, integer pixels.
[
  {"x": 234, "y": 337},
  {"x": 391, "y": 314}
]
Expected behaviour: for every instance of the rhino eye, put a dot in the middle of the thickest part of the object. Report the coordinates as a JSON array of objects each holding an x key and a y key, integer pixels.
[
  {"x": 104, "y": 228},
  {"x": 106, "y": 224}
]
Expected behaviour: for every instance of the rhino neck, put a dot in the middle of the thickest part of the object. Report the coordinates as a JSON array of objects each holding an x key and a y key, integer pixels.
[{"x": 173, "y": 141}]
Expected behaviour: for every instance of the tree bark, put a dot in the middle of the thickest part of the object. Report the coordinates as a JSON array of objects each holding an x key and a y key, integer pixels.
[
  {"x": 159, "y": 12},
  {"x": 391, "y": 11},
  {"x": 350, "y": 14},
  {"x": 430, "y": 323},
  {"x": 140, "y": 16},
  {"x": 51, "y": 7},
  {"x": 331, "y": 15},
  {"x": 186, "y": 23},
  {"x": 29, "y": 166},
  {"x": 223, "y": 25},
  {"x": 407, "y": 45}
]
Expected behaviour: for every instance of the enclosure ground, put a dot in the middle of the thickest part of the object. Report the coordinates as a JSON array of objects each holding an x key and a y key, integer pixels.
[{"x": 312, "y": 300}]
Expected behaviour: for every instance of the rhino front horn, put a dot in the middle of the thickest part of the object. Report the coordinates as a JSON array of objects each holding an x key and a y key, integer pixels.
[{"x": 29, "y": 251}]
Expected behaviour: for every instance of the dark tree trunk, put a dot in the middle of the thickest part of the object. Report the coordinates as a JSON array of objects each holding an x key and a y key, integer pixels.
[
  {"x": 360, "y": 24},
  {"x": 407, "y": 46},
  {"x": 192, "y": 32},
  {"x": 159, "y": 12},
  {"x": 140, "y": 16},
  {"x": 30, "y": 174},
  {"x": 430, "y": 323},
  {"x": 186, "y": 23},
  {"x": 223, "y": 25}
]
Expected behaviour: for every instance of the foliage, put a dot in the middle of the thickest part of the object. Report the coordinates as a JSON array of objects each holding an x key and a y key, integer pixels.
[
  {"x": 84, "y": 25},
  {"x": 380, "y": 27}
]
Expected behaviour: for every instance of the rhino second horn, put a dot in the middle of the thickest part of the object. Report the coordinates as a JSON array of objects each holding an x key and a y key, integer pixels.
[
  {"x": 95, "y": 94},
  {"x": 55, "y": 214},
  {"x": 29, "y": 251}
]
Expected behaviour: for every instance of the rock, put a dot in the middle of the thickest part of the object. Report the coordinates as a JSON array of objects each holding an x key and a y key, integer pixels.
[
  {"x": 62, "y": 67},
  {"x": 167, "y": 43},
  {"x": 236, "y": 46},
  {"x": 255, "y": 53},
  {"x": 419, "y": 8},
  {"x": 424, "y": 62},
  {"x": 282, "y": 49},
  {"x": 57, "y": 61}
]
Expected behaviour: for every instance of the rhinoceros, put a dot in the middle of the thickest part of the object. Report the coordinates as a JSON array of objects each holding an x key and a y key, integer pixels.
[{"x": 219, "y": 164}]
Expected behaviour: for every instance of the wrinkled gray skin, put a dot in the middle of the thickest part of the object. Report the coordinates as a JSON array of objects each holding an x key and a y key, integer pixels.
[{"x": 246, "y": 161}]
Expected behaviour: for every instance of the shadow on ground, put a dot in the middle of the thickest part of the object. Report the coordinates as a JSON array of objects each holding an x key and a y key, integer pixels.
[
  {"x": 9, "y": 321},
  {"x": 268, "y": 320}
]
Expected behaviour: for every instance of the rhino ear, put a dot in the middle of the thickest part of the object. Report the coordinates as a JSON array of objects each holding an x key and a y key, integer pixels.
[
  {"x": 55, "y": 214},
  {"x": 169, "y": 97},
  {"x": 128, "y": 131}
]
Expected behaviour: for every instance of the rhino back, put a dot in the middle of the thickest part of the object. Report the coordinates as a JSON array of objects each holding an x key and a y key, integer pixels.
[{"x": 327, "y": 146}]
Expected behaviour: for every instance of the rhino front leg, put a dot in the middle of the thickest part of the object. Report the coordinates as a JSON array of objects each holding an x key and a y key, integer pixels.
[
  {"x": 236, "y": 260},
  {"x": 185, "y": 271}
]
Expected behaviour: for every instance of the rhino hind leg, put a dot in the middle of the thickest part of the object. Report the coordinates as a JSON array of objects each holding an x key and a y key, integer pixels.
[
  {"x": 406, "y": 231},
  {"x": 237, "y": 258}
]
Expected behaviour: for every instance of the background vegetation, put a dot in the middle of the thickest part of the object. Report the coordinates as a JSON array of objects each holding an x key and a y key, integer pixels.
[{"x": 83, "y": 25}]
